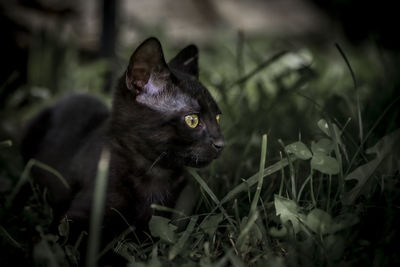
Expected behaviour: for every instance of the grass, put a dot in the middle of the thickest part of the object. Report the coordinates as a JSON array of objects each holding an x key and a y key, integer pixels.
[
  {"x": 96, "y": 217},
  {"x": 322, "y": 193}
]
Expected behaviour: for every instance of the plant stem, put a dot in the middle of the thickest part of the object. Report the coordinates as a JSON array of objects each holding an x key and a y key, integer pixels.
[
  {"x": 312, "y": 189},
  {"x": 260, "y": 175}
]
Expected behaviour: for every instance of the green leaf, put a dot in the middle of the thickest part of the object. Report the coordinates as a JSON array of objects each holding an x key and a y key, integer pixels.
[
  {"x": 323, "y": 146},
  {"x": 323, "y": 125},
  {"x": 177, "y": 248},
  {"x": 335, "y": 135},
  {"x": 63, "y": 228},
  {"x": 299, "y": 149},
  {"x": 288, "y": 210},
  {"x": 319, "y": 221},
  {"x": 210, "y": 224},
  {"x": 275, "y": 232},
  {"x": 162, "y": 228},
  {"x": 387, "y": 161},
  {"x": 325, "y": 164}
]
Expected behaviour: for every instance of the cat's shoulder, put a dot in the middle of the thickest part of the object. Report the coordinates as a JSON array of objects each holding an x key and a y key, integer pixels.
[
  {"x": 80, "y": 110},
  {"x": 65, "y": 122},
  {"x": 80, "y": 103}
]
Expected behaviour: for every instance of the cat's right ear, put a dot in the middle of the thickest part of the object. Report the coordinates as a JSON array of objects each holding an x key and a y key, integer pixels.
[
  {"x": 187, "y": 61},
  {"x": 147, "y": 61}
]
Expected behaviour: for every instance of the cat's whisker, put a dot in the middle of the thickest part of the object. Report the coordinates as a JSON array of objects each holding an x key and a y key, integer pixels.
[{"x": 163, "y": 154}]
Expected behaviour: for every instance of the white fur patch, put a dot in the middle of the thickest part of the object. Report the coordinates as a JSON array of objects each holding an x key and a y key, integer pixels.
[{"x": 155, "y": 97}]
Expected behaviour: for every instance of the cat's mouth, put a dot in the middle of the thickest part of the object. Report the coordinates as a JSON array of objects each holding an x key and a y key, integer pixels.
[{"x": 198, "y": 161}]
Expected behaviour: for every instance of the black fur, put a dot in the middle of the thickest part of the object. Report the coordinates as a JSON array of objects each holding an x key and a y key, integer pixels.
[{"x": 145, "y": 132}]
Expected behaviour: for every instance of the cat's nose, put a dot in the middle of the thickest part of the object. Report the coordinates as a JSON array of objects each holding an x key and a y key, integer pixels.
[{"x": 218, "y": 144}]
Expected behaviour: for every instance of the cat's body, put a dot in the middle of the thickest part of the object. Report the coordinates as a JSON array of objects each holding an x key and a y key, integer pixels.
[{"x": 149, "y": 134}]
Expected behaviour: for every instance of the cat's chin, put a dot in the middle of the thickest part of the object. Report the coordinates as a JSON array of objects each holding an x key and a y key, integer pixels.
[{"x": 198, "y": 163}]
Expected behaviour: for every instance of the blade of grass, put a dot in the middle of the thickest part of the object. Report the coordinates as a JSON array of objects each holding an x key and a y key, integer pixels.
[
  {"x": 282, "y": 176},
  {"x": 167, "y": 209},
  {"x": 22, "y": 180},
  {"x": 319, "y": 189},
  {"x": 13, "y": 242},
  {"x": 342, "y": 129},
  {"x": 52, "y": 171},
  {"x": 353, "y": 76},
  {"x": 96, "y": 217},
  {"x": 208, "y": 190},
  {"x": 312, "y": 189},
  {"x": 246, "y": 229},
  {"x": 176, "y": 249},
  {"x": 251, "y": 181},
  {"x": 302, "y": 188},
  {"x": 25, "y": 176},
  {"x": 254, "y": 179},
  {"x": 244, "y": 154},
  {"x": 259, "y": 68},
  {"x": 79, "y": 241},
  {"x": 369, "y": 133},
  {"x": 265, "y": 214},
  {"x": 260, "y": 175},
  {"x": 329, "y": 193},
  {"x": 204, "y": 185},
  {"x": 131, "y": 227},
  {"x": 291, "y": 170},
  {"x": 236, "y": 209},
  {"x": 338, "y": 156},
  {"x": 111, "y": 244},
  {"x": 6, "y": 143}
]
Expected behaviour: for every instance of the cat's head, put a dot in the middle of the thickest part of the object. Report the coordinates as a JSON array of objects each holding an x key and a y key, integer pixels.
[{"x": 171, "y": 112}]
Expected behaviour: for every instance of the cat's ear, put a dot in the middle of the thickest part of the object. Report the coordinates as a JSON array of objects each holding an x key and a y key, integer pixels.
[
  {"x": 146, "y": 62},
  {"x": 186, "y": 61}
]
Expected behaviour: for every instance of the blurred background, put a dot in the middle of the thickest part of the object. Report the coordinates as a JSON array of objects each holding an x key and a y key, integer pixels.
[{"x": 273, "y": 66}]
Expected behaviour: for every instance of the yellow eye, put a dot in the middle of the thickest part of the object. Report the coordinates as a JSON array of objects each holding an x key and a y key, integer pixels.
[
  {"x": 192, "y": 120},
  {"x": 217, "y": 118}
]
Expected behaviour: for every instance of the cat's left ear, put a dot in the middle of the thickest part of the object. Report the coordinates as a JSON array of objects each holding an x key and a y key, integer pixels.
[
  {"x": 186, "y": 61},
  {"x": 147, "y": 62}
]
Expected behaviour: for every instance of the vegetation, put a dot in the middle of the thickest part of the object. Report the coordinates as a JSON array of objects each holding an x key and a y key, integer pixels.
[{"x": 309, "y": 177}]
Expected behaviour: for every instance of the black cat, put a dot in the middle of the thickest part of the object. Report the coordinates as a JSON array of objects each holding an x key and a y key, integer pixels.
[{"x": 162, "y": 119}]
